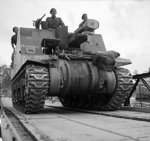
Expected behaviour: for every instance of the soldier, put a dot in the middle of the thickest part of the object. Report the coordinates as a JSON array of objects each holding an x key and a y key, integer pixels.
[
  {"x": 13, "y": 43},
  {"x": 14, "y": 37},
  {"x": 84, "y": 18},
  {"x": 53, "y": 21}
]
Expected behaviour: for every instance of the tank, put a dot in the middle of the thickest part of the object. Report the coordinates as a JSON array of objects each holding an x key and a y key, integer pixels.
[{"x": 75, "y": 67}]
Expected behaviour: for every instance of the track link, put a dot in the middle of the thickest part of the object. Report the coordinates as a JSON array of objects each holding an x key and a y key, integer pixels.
[
  {"x": 36, "y": 88},
  {"x": 123, "y": 89},
  {"x": 30, "y": 95}
]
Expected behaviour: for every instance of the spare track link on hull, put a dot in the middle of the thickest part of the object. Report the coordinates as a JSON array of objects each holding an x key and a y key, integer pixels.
[
  {"x": 33, "y": 89},
  {"x": 123, "y": 89}
]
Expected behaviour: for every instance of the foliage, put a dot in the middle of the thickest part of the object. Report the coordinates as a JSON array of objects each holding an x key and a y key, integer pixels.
[{"x": 5, "y": 76}]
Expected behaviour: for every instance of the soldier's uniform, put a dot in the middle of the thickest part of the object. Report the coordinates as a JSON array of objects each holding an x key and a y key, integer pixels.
[
  {"x": 81, "y": 24},
  {"x": 14, "y": 43},
  {"x": 84, "y": 18},
  {"x": 54, "y": 22},
  {"x": 14, "y": 40}
]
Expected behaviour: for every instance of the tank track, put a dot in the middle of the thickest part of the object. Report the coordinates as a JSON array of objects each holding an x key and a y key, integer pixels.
[
  {"x": 29, "y": 96},
  {"x": 123, "y": 89}
]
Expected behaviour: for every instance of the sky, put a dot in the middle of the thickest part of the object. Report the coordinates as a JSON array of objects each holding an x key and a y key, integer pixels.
[{"x": 124, "y": 24}]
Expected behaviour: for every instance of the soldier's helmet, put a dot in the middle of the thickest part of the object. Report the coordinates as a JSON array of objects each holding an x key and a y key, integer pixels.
[
  {"x": 15, "y": 29},
  {"x": 53, "y": 9},
  {"x": 83, "y": 16}
]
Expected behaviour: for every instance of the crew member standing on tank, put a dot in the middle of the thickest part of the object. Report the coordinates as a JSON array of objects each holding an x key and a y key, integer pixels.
[
  {"x": 53, "y": 21},
  {"x": 13, "y": 43},
  {"x": 14, "y": 38},
  {"x": 84, "y": 18}
]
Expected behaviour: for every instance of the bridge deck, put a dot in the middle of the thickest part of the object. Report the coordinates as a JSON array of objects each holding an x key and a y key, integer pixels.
[{"x": 59, "y": 125}]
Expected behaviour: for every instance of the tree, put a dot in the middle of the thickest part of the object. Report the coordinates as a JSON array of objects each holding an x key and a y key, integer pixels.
[
  {"x": 5, "y": 79},
  {"x": 6, "y": 83}
]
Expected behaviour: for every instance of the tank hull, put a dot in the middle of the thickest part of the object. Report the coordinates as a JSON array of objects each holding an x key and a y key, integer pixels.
[
  {"x": 77, "y": 69},
  {"x": 76, "y": 83}
]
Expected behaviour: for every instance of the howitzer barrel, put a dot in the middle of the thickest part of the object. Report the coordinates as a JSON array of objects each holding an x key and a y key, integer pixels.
[{"x": 89, "y": 26}]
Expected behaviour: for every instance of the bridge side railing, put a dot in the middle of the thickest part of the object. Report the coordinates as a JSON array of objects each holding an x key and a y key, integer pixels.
[{"x": 138, "y": 77}]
